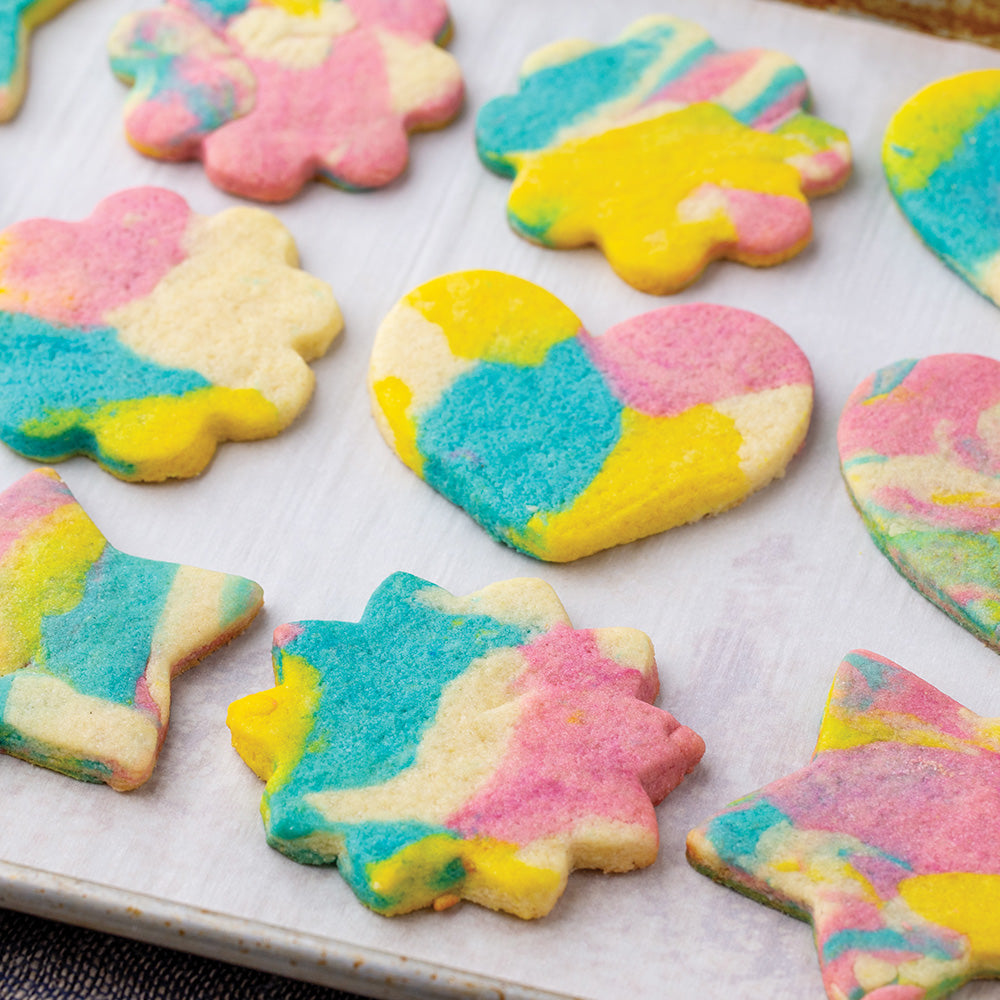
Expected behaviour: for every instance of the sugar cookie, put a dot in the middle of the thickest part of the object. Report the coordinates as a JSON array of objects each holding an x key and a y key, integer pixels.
[
  {"x": 920, "y": 452},
  {"x": 885, "y": 842},
  {"x": 448, "y": 748},
  {"x": 664, "y": 151},
  {"x": 271, "y": 94},
  {"x": 17, "y": 20},
  {"x": 90, "y": 637},
  {"x": 560, "y": 443},
  {"x": 145, "y": 334},
  {"x": 940, "y": 157}
]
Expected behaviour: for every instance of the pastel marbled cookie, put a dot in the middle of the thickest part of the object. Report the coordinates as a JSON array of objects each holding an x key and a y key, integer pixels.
[
  {"x": 885, "y": 842},
  {"x": 90, "y": 637},
  {"x": 941, "y": 160},
  {"x": 17, "y": 20},
  {"x": 271, "y": 93},
  {"x": 560, "y": 443},
  {"x": 920, "y": 451},
  {"x": 664, "y": 151},
  {"x": 448, "y": 748},
  {"x": 146, "y": 334}
]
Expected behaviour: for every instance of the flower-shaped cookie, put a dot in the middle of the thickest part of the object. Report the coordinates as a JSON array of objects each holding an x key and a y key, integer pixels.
[
  {"x": 17, "y": 19},
  {"x": 886, "y": 841},
  {"x": 664, "y": 151},
  {"x": 448, "y": 748},
  {"x": 90, "y": 637},
  {"x": 560, "y": 443},
  {"x": 920, "y": 452},
  {"x": 145, "y": 334},
  {"x": 271, "y": 93},
  {"x": 942, "y": 161}
]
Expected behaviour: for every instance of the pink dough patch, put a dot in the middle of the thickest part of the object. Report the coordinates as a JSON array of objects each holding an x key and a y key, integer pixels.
[
  {"x": 284, "y": 634},
  {"x": 710, "y": 77},
  {"x": 568, "y": 761},
  {"x": 30, "y": 499},
  {"x": 76, "y": 273},
  {"x": 420, "y": 18},
  {"x": 668, "y": 360},
  {"x": 767, "y": 224},
  {"x": 308, "y": 119},
  {"x": 938, "y": 404}
]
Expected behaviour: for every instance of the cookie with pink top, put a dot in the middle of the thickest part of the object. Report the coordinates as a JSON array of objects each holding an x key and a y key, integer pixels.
[
  {"x": 885, "y": 841},
  {"x": 272, "y": 94},
  {"x": 146, "y": 334},
  {"x": 920, "y": 451},
  {"x": 446, "y": 748}
]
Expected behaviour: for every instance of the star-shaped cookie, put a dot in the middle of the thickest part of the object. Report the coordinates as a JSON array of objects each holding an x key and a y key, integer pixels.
[
  {"x": 473, "y": 747},
  {"x": 17, "y": 20},
  {"x": 886, "y": 841},
  {"x": 90, "y": 637}
]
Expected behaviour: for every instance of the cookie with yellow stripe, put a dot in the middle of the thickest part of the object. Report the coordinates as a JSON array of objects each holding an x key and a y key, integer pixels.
[
  {"x": 145, "y": 334},
  {"x": 91, "y": 638},
  {"x": 560, "y": 443},
  {"x": 885, "y": 841},
  {"x": 664, "y": 151},
  {"x": 451, "y": 747}
]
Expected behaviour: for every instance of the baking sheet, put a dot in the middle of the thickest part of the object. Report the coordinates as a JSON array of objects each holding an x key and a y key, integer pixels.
[{"x": 750, "y": 612}]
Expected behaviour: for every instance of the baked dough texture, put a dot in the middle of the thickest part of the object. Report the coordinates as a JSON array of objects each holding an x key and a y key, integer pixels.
[
  {"x": 90, "y": 638},
  {"x": 146, "y": 334},
  {"x": 664, "y": 151},
  {"x": 271, "y": 93},
  {"x": 446, "y": 748},
  {"x": 919, "y": 448},
  {"x": 560, "y": 443},
  {"x": 884, "y": 841}
]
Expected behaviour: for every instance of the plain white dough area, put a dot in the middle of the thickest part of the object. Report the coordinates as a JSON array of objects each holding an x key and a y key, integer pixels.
[{"x": 750, "y": 612}]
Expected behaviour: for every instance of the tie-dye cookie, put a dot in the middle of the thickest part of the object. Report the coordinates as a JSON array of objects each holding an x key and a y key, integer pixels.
[
  {"x": 560, "y": 443},
  {"x": 448, "y": 748},
  {"x": 941, "y": 160},
  {"x": 90, "y": 637},
  {"x": 145, "y": 334},
  {"x": 17, "y": 20},
  {"x": 886, "y": 842},
  {"x": 664, "y": 151},
  {"x": 272, "y": 93},
  {"x": 920, "y": 451}
]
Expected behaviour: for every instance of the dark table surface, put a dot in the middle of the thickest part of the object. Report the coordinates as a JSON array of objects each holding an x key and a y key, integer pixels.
[{"x": 45, "y": 960}]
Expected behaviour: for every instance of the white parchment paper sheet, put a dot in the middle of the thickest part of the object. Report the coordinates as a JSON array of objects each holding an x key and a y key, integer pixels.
[{"x": 750, "y": 613}]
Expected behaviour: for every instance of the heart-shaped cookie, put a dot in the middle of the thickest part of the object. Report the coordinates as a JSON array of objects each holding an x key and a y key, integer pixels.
[
  {"x": 941, "y": 160},
  {"x": 920, "y": 452},
  {"x": 560, "y": 443}
]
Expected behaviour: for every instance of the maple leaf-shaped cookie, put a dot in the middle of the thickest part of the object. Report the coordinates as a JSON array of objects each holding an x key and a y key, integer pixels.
[
  {"x": 886, "y": 841},
  {"x": 271, "y": 94},
  {"x": 17, "y": 20},
  {"x": 90, "y": 637},
  {"x": 462, "y": 747},
  {"x": 145, "y": 334},
  {"x": 664, "y": 151}
]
